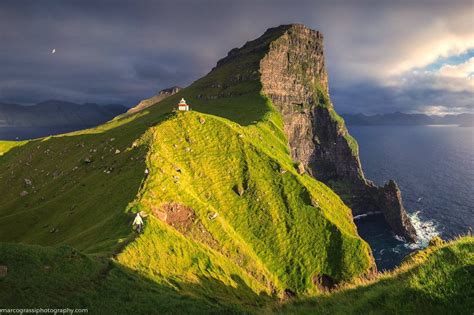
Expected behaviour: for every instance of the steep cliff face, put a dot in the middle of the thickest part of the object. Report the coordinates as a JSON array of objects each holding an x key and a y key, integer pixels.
[{"x": 294, "y": 77}]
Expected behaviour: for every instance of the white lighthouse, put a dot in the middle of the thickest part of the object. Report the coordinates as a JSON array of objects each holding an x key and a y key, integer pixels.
[{"x": 182, "y": 105}]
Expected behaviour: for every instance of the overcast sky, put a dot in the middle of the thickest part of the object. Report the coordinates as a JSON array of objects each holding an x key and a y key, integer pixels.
[{"x": 382, "y": 56}]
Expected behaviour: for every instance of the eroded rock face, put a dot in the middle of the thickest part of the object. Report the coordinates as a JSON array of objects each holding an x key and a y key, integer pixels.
[{"x": 294, "y": 77}]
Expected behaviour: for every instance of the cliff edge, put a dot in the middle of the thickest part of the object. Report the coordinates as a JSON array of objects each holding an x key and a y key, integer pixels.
[
  {"x": 294, "y": 77},
  {"x": 292, "y": 72}
]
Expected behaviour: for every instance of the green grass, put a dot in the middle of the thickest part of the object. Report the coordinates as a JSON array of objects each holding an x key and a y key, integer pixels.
[
  {"x": 6, "y": 146},
  {"x": 284, "y": 230},
  {"x": 272, "y": 231},
  {"x": 437, "y": 280},
  {"x": 275, "y": 229},
  {"x": 60, "y": 277}
]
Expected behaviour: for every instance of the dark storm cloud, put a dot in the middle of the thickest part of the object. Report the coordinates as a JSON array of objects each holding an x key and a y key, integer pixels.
[{"x": 124, "y": 51}]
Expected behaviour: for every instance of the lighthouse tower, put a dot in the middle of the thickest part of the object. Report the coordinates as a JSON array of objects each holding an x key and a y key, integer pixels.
[{"x": 182, "y": 105}]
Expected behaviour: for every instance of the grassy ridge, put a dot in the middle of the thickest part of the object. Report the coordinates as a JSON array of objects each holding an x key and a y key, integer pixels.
[
  {"x": 436, "y": 281},
  {"x": 275, "y": 229},
  {"x": 267, "y": 222},
  {"x": 256, "y": 226}
]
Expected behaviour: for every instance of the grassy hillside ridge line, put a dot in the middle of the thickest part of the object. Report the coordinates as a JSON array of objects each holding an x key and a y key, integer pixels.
[
  {"x": 284, "y": 232},
  {"x": 436, "y": 280},
  {"x": 171, "y": 133},
  {"x": 439, "y": 283}
]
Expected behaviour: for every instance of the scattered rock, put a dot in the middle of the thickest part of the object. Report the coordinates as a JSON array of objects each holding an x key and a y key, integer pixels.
[
  {"x": 112, "y": 139},
  {"x": 3, "y": 271},
  {"x": 117, "y": 151},
  {"x": 87, "y": 160},
  {"x": 212, "y": 215},
  {"x": 315, "y": 203},
  {"x": 23, "y": 193},
  {"x": 288, "y": 294},
  {"x": 301, "y": 169},
  {"x": 202, "y": 120},
  {"x": 27, "y": 182},
  {"x": 239, "y": 190},
  {"x": 324, "y": 282},
  {"x": 436, "y": 241}
]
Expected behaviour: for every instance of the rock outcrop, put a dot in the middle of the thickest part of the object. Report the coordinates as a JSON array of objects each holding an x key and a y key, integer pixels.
[{"x": 293, "y": 75}]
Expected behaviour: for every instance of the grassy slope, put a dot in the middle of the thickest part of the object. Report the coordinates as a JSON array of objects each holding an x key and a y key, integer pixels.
[
  {"x": 272, "y": 231},
  {"x": 437, "y": 280},
  {"x": 284, "y": 229}
]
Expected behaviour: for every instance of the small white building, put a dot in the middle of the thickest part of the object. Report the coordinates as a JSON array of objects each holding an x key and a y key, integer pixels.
[{"x": 182, "y": 105}]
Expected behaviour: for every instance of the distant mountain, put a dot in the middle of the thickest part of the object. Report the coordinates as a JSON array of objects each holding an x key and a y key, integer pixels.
[
  {"x": 409, "y": 119},
  {"x": 54, "y": 113}
]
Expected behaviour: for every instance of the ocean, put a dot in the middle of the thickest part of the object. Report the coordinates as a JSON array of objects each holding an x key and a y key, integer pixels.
[
  {"x": 24, "y": 133},
  {"x": 434, "y": 168}
]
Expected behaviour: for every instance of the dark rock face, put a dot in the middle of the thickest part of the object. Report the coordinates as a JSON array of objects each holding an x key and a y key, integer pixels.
[
  {"x": 294, "y": 77},
  {"x": 391, "y": 200},
  {"x": 324, "y": 282}
]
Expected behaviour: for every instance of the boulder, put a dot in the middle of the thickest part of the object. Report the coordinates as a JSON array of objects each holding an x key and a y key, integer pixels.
[{"x": 3, "y": 271}]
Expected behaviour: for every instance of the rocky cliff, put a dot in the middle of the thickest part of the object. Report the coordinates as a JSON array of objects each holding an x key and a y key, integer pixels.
[{"x": 293, "y": 75}]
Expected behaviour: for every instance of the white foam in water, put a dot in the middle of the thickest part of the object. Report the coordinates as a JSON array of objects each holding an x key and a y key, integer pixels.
[
  {"x": 366, "y": 214},
  {"x": 425, "y": 230}
]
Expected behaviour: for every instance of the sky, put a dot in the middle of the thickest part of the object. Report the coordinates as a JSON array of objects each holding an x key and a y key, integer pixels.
[{"x": 382, "y": 56}]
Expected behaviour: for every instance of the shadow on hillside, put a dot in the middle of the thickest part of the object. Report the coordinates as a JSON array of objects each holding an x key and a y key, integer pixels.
[
  {"x": 413, "y": 291},
  {"x": 60, "y": 277},
  {"x": 132, "y": 293}
]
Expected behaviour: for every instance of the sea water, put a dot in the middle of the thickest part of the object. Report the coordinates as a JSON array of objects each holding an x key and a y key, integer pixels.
[
  {"x": 434, "y": 168},
  {"x": 25, "y": 133}
]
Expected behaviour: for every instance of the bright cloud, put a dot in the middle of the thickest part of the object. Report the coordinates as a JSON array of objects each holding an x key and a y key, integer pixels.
[{"x": 463, "y": 70}]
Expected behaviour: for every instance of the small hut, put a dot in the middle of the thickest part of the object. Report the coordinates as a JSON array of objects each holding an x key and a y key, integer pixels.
[{"x": 182, "y": 105}]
